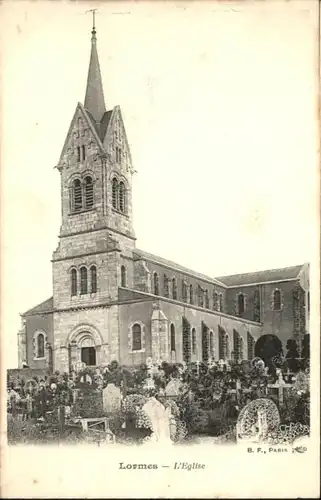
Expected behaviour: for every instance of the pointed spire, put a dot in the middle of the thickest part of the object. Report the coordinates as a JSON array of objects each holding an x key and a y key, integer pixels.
[{"x": 94, "y": 99}]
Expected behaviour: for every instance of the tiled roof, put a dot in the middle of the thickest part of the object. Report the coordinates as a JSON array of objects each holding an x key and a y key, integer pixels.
[
  {"x": 261, "y": 276},
  {"x": 159, "y": 260},
  {"x": 44, "y": 307}
]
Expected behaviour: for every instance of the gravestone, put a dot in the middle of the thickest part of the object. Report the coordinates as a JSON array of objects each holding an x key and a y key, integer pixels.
[
  {"x": 256, "y": 419},
  {"x": 174, "y": 387},
  {"x": 111, "y": 399},
  {"x": 160, "y": 420}
]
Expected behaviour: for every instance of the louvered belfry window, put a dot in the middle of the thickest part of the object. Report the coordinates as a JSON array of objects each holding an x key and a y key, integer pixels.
[
  {"x": 122, "y": 197},
  {"x": 115, "y": 193},
  {"x": 93, "y": 276},
  {"x": 89, "y": 192},
  {"x": 77, "y": 196}
]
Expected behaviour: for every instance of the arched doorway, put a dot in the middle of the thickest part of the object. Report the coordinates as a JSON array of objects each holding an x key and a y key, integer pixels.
[
  {"x": 85, "y": 346},
  {"x": 87, "y": 351},
  {"x": 268, "y": 347}
]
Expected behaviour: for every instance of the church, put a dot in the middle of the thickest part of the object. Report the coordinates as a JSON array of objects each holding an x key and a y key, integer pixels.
[{"x": 113, "y": 301}]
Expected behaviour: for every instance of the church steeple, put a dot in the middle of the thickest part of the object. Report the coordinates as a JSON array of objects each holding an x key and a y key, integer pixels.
[{"x": 94, "y": 99}]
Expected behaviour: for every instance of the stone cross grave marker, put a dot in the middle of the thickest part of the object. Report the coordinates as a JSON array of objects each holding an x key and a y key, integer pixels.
[
  {"x": 111, "y": 399},
  {"x": 280, "y": 385}
]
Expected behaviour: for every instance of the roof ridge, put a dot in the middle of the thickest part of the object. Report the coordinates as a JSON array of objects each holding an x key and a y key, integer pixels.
[
  {"x": 173, "y": 264},
  {"x": 261, "y": 271}
]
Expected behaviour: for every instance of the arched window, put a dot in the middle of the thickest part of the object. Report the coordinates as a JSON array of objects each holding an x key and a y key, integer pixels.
[
  {"x": 78, "y": 154},
  {"x": 93, "y": 279},
  {"x": 83, "y": 280},
  {"x": 122, "y": 197},
  {"x": 308, "y": 301},
  {"x": 173, "y": 348},
  {"x": 115, "y": 193},
  {"x": 193, "y": 341},
  {"x": 237, "y": 346},
  {"x": 76, "y": 196},
  {"x": 215, "y": 301},
  {"x": 136, "y": 337},
  {"x": 250, "y": 346},
  {"x": 191, "y": 294},
  {"x": 174, "y": 285},
  {"x": 166, "y": 286},
  {"x": 277, "y": 300},
  {"x": 73, "y": 282},
  {"x": 207, "y": 302},
  {"x": 200, "y": 296},
  {"x": 156, "y": 284},
  {"x": 123, "y": 276},
  {"x": 222, "y": 344},
  {"x": 212, "y": 344},
  {"x": 240, "y": 304},
  {"x": 184, "y": 291},
  {"x": 83, "y": 150},
  {"x": 40, "y": 345},
  {"x": 89, "y": 192}
]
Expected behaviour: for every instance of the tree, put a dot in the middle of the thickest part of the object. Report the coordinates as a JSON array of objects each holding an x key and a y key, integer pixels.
[{"x": 292, "y": 356}]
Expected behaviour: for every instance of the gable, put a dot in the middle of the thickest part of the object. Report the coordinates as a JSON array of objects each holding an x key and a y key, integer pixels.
[
  {"x": 44, "y": 307},
  {"x": 81, "y": 130},
  {"x": 116, "y": 138}
]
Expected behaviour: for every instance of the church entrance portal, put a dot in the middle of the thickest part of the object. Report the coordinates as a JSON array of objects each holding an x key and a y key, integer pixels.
[
  {"x": 268, "y": 348},
  {"x": 88, "y": 356}
]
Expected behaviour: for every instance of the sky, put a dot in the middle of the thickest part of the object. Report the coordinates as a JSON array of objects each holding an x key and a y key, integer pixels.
[{"x": 219, "y": 102}]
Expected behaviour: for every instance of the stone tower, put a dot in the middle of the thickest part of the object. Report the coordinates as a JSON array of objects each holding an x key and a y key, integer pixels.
[{"x": 96, "y": 230}]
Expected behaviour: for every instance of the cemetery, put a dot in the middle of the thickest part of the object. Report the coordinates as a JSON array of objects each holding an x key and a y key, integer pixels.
[{"x": 248, "y": 401}]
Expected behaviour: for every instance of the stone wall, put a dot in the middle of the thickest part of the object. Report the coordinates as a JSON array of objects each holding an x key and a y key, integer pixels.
[
  {"x": 174, "y": 314},
  {"x": 37, "y": 323},
  {"x": 275, "y": 322},
  {"x": 103, "y": 320}
]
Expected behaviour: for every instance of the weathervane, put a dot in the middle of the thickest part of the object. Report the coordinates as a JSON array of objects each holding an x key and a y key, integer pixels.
[{"x": 93, "y": 13}]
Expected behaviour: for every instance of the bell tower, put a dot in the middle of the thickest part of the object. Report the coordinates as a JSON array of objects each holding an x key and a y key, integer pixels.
[{"x": 96, "y": 171}]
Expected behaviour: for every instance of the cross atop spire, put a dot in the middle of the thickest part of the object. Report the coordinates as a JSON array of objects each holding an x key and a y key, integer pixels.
[{"x": 94, "y": 98}]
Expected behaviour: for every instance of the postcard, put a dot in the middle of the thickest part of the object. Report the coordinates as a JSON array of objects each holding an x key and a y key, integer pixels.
[{"x": 160, "y": 249}]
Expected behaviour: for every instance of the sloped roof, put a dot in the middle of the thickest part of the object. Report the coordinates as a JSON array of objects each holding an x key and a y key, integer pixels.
[
  {"x": 284, "y": 273},
  {"x": 104, "y": 123},
  {"x": 139, "y": 254},
  {"x": 94, "y": 98},
  {"x": 44, "y": 307}
]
